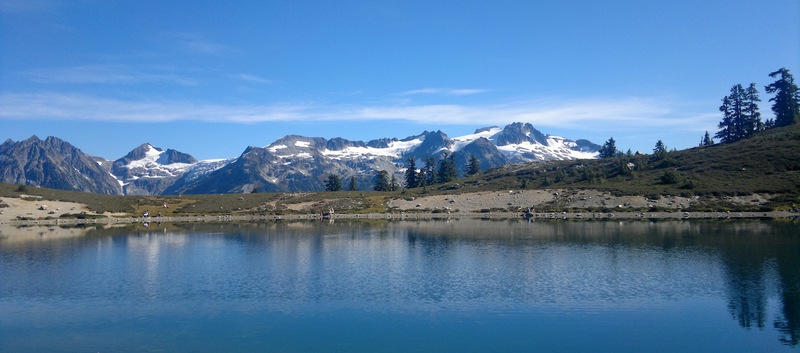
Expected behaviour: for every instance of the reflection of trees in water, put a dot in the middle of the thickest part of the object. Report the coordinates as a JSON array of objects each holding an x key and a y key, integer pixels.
[
  {"x": 752, "y": 254},
  {"x": 788, "y": 261},
  {"x": 747, "y": 298}
]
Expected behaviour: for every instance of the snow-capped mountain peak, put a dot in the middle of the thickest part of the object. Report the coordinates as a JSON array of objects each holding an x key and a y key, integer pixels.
[
  {"x": 150, "y": 161},
  {"x": 291, "y": 163},
  {"x": 148, "y": 169}
]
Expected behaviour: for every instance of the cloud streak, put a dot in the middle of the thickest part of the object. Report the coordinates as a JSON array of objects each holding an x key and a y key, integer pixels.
[
  {"x": 251, "y": 78},
  {"x": 618, "y": 114},
  {"x": 103, "y": 74},
  {"x": 196, "y": 43},
  {"x": 442, "y": 92}
]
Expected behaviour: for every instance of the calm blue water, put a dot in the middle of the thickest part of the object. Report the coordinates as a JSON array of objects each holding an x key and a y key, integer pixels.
[{"x": 454, "y": 286}]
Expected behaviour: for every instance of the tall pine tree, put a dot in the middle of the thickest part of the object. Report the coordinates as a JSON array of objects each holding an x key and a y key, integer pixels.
[
  {"x": 750, "y": 115},
  {"x": 706, "y": 140},
  {"x": 333, "y": 183},
  {"x": 786, "y": 103},
  {"x": 381, "y": 181},
  {"x": 474, "y": 166},
  {"x": 447, "y": 170},
  {"x": 727, "y": 132},
  {"x": 740, "y": 115},
  {"x": 412, "y": 180},
  {"x": 660, "y": 150},
  {"x": 353, "y": 186},
  {"x": 609, "y": 149},
  {"x": 430, "y": 171}
]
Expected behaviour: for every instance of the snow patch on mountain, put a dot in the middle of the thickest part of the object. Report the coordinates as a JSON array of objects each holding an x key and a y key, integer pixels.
[
  {"x": 461, "y": 141},
  {"x": 395, "y": 150},
  {"x": 275, "y": 148},
  {"x": 204, "y": 167}
]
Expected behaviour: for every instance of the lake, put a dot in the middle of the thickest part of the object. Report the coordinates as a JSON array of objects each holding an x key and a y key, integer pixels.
[{"x": 401, "y": 286}]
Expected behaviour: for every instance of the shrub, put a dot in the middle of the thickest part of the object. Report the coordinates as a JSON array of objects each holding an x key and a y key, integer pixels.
[{"x": 668, "y": 177}]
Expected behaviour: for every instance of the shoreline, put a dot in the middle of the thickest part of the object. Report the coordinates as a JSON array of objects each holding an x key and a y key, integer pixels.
[{"x": 410, "y": 216}]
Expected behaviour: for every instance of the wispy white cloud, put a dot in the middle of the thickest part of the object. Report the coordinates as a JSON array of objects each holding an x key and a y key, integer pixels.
[
  {"x": 196, "y": 43},
  {"x": 251, "y": 78},
  {"x": 611, "y": 114},
  {"x": 104, "y": 74},
  {"x": 442, "y": 91}
]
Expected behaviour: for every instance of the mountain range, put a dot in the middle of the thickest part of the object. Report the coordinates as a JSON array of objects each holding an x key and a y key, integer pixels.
[{"x": 292, "y": 163}]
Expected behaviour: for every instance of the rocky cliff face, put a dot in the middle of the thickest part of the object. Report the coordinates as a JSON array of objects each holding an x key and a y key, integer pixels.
[{"x": 53, "y": 163}]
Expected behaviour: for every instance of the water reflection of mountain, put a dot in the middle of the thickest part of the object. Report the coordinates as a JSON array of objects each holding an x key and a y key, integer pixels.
[{"x": 760, "y": 259}]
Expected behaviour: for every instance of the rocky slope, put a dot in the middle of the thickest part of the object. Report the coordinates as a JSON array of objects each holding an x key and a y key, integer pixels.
[{"x": 53, "y": 163}]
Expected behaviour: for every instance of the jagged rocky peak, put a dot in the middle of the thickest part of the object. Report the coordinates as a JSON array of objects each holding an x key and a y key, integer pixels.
[
  {"x": 53, "y": 163},
  {"x": 433, "y": 144},
  {"x": 338, "y": 144},
  {"x": 517, "y": 133},
  {"x": 171, "y": 156},
  {"x": 293, "y": 142},
  {"x": 139, "y": 152},
  {"x": 381, "y": 143}
]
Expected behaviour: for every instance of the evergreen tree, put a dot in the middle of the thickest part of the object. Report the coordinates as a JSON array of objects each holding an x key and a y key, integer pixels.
[
  {"x": 751, "y": 117},
  {"x": 447, "y": 170},
  {"x": 737, "y": 118},
  {"x": 411, "y": 174},
  {"x": 786, "y": 103},
  {"x": 352, "y": 186},
  {"x": 706, "y": 140},
  {"x": 430, "y": 171},
  {"x": 740, "y": 115},
  {"x": 660, "y": 150},
  {"x": 333, "y": 183},
  {"x": 422, "y": 179},
  {"x": 473, "y": 167},
  {"x": 393, "y": 186},
  {"x": 727, "y": 132},
  {"x": 609, "y": 149},
  {"x": 381, "y": 181}
]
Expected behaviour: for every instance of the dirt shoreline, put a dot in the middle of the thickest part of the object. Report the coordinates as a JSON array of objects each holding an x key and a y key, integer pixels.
[
  {"x": 509, "y": 204},
  {"x": 411, "y": 216}
]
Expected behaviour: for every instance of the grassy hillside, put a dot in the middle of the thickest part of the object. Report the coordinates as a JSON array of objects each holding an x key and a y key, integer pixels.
[{"x": 768, "y": 163}]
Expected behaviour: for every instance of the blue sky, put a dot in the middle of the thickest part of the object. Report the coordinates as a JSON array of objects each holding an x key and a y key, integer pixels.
[{"x": 210, "y": 78}]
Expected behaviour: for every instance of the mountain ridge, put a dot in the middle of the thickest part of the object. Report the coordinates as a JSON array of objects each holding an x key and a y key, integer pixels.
[{"x": 300, "y": 163}]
